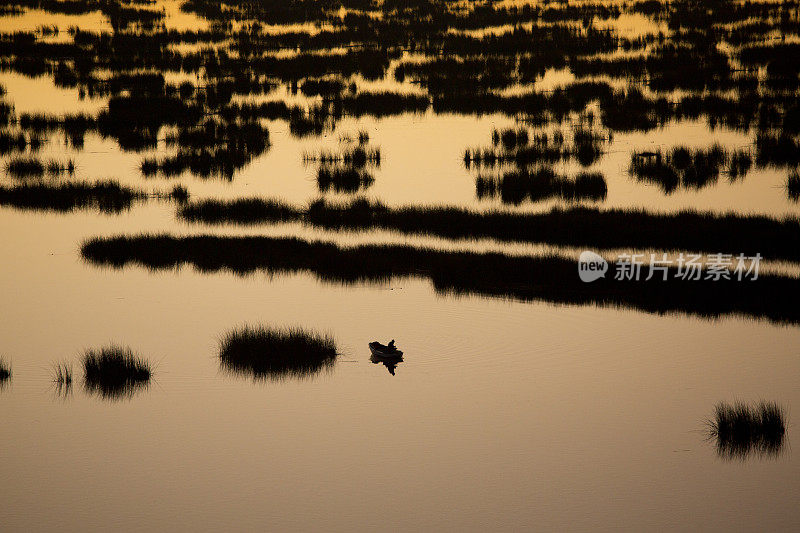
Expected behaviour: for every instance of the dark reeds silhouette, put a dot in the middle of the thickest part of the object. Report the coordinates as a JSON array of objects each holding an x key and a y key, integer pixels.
[
  {"x": 5, "y": 371},
  {"x": 741, "y": 431},
  {"x": 62, "y": 379},
  {"x": 542, "y": 184},
  {"x": 115, "y": 372},
  {"x": 687, "y": 231},
  {"x": 793, "y": 186},
  {"x": 276, "y": 353},
  {"x": 548, "y": 279},
  {"x": 688, "y": 169},
  {"x": 343, "y": 179},
  {"x": 105, "y": 196},
  {"x": 345, "y": 171},
  {"x": 713, "y": 63}
]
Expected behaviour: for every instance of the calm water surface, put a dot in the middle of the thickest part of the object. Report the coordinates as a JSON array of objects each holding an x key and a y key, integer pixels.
[{"x": 504, "y": 415}]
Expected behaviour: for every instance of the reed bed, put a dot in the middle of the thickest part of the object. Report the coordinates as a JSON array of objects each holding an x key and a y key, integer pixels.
[
  {"x": 687, "y": 231},
  {"x": 343, "y": 179},
  {"x": 688, "y": 169},
  {"x": 276, "y": 353},
  {"x": 793, "y": 186},
  {"x": 542, "y": 184},
  {"x": 5, "y": 370},
  {"x": 115, "y": 372},
  {"x": 31, "y": 167},
  {"x": 741, "y": 430},
  {"x": 105, "y": 196},
  {"x": 550, "y": 279},
  {"x": 62, "y": 374}
]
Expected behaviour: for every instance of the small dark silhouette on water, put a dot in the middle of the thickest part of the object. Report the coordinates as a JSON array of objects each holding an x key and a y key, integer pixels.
[
  {"x": 389, "y": 361},
  {"x": 388, "y": 354},
  {"x": 741, "y": 431}
]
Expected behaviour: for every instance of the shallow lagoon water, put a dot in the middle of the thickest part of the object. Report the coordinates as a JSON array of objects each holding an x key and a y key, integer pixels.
[{"x": 503, "y": 415}]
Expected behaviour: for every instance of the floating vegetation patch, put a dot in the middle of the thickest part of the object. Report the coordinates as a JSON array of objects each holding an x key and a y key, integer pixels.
[
  {"x": 549, "y": 279},
  {"x": 740, "y": 430},
  {"x": 687, "y": 231},
  {"x": 274, "y": 354},
  {"x": 115, "y": 372}
]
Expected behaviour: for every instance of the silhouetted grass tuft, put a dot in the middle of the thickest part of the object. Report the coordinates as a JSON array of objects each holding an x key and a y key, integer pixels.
[
  {"x": 246, "y": 211},
  {"x": 114, "y": 372},
  {"x": 268, "y": 353},
  {"x": 343, "y": 179},
  {"x": 793, "y": 186},
  {"x": 62, "y": 373},
  {"x": 5, "y": 370},
  {"x": 180, "y": 194},
  {"x": 106, "y": 196},
  {"x": 25, "y": 167},
  {"x": 742, "y": 430}
]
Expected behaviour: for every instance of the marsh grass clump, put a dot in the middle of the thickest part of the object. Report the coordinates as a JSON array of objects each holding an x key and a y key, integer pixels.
[
  {"x": 741, "y": 430},
  {"x": 62, "y": 373},
  {"x": 542, "y": 184},
  {"x": 688, "y": 169},
  {"x": 270, "y": 353},
  {"x": 179, "y": 193},
  {"x": 5, "y": 370},
  {"x": 343, "y": 179},
  {"x": 105, "y": 196},
  {"x": 793, "y": 185},
  {"x": 241, "y": 211},
  {"x": 25, "y": 167},
  {"x": 115, "y": 372},
  {"x": 62, "y": 379}
]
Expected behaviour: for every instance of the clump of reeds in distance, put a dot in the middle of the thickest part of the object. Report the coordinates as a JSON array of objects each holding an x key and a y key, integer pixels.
[
  {"x": 115, "y": 372},
  {"x": 275, "y": 353},
  {"x": 62, "y": 379},
  {"x": 5, "y": 371},
  {"x": 741, "y": 430},
  {"x": 62, "y": 373},
  {"x": 793, "y": 186},
  {"x": 105, "y": 196},
  {"x": 31, "y": 167}
]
